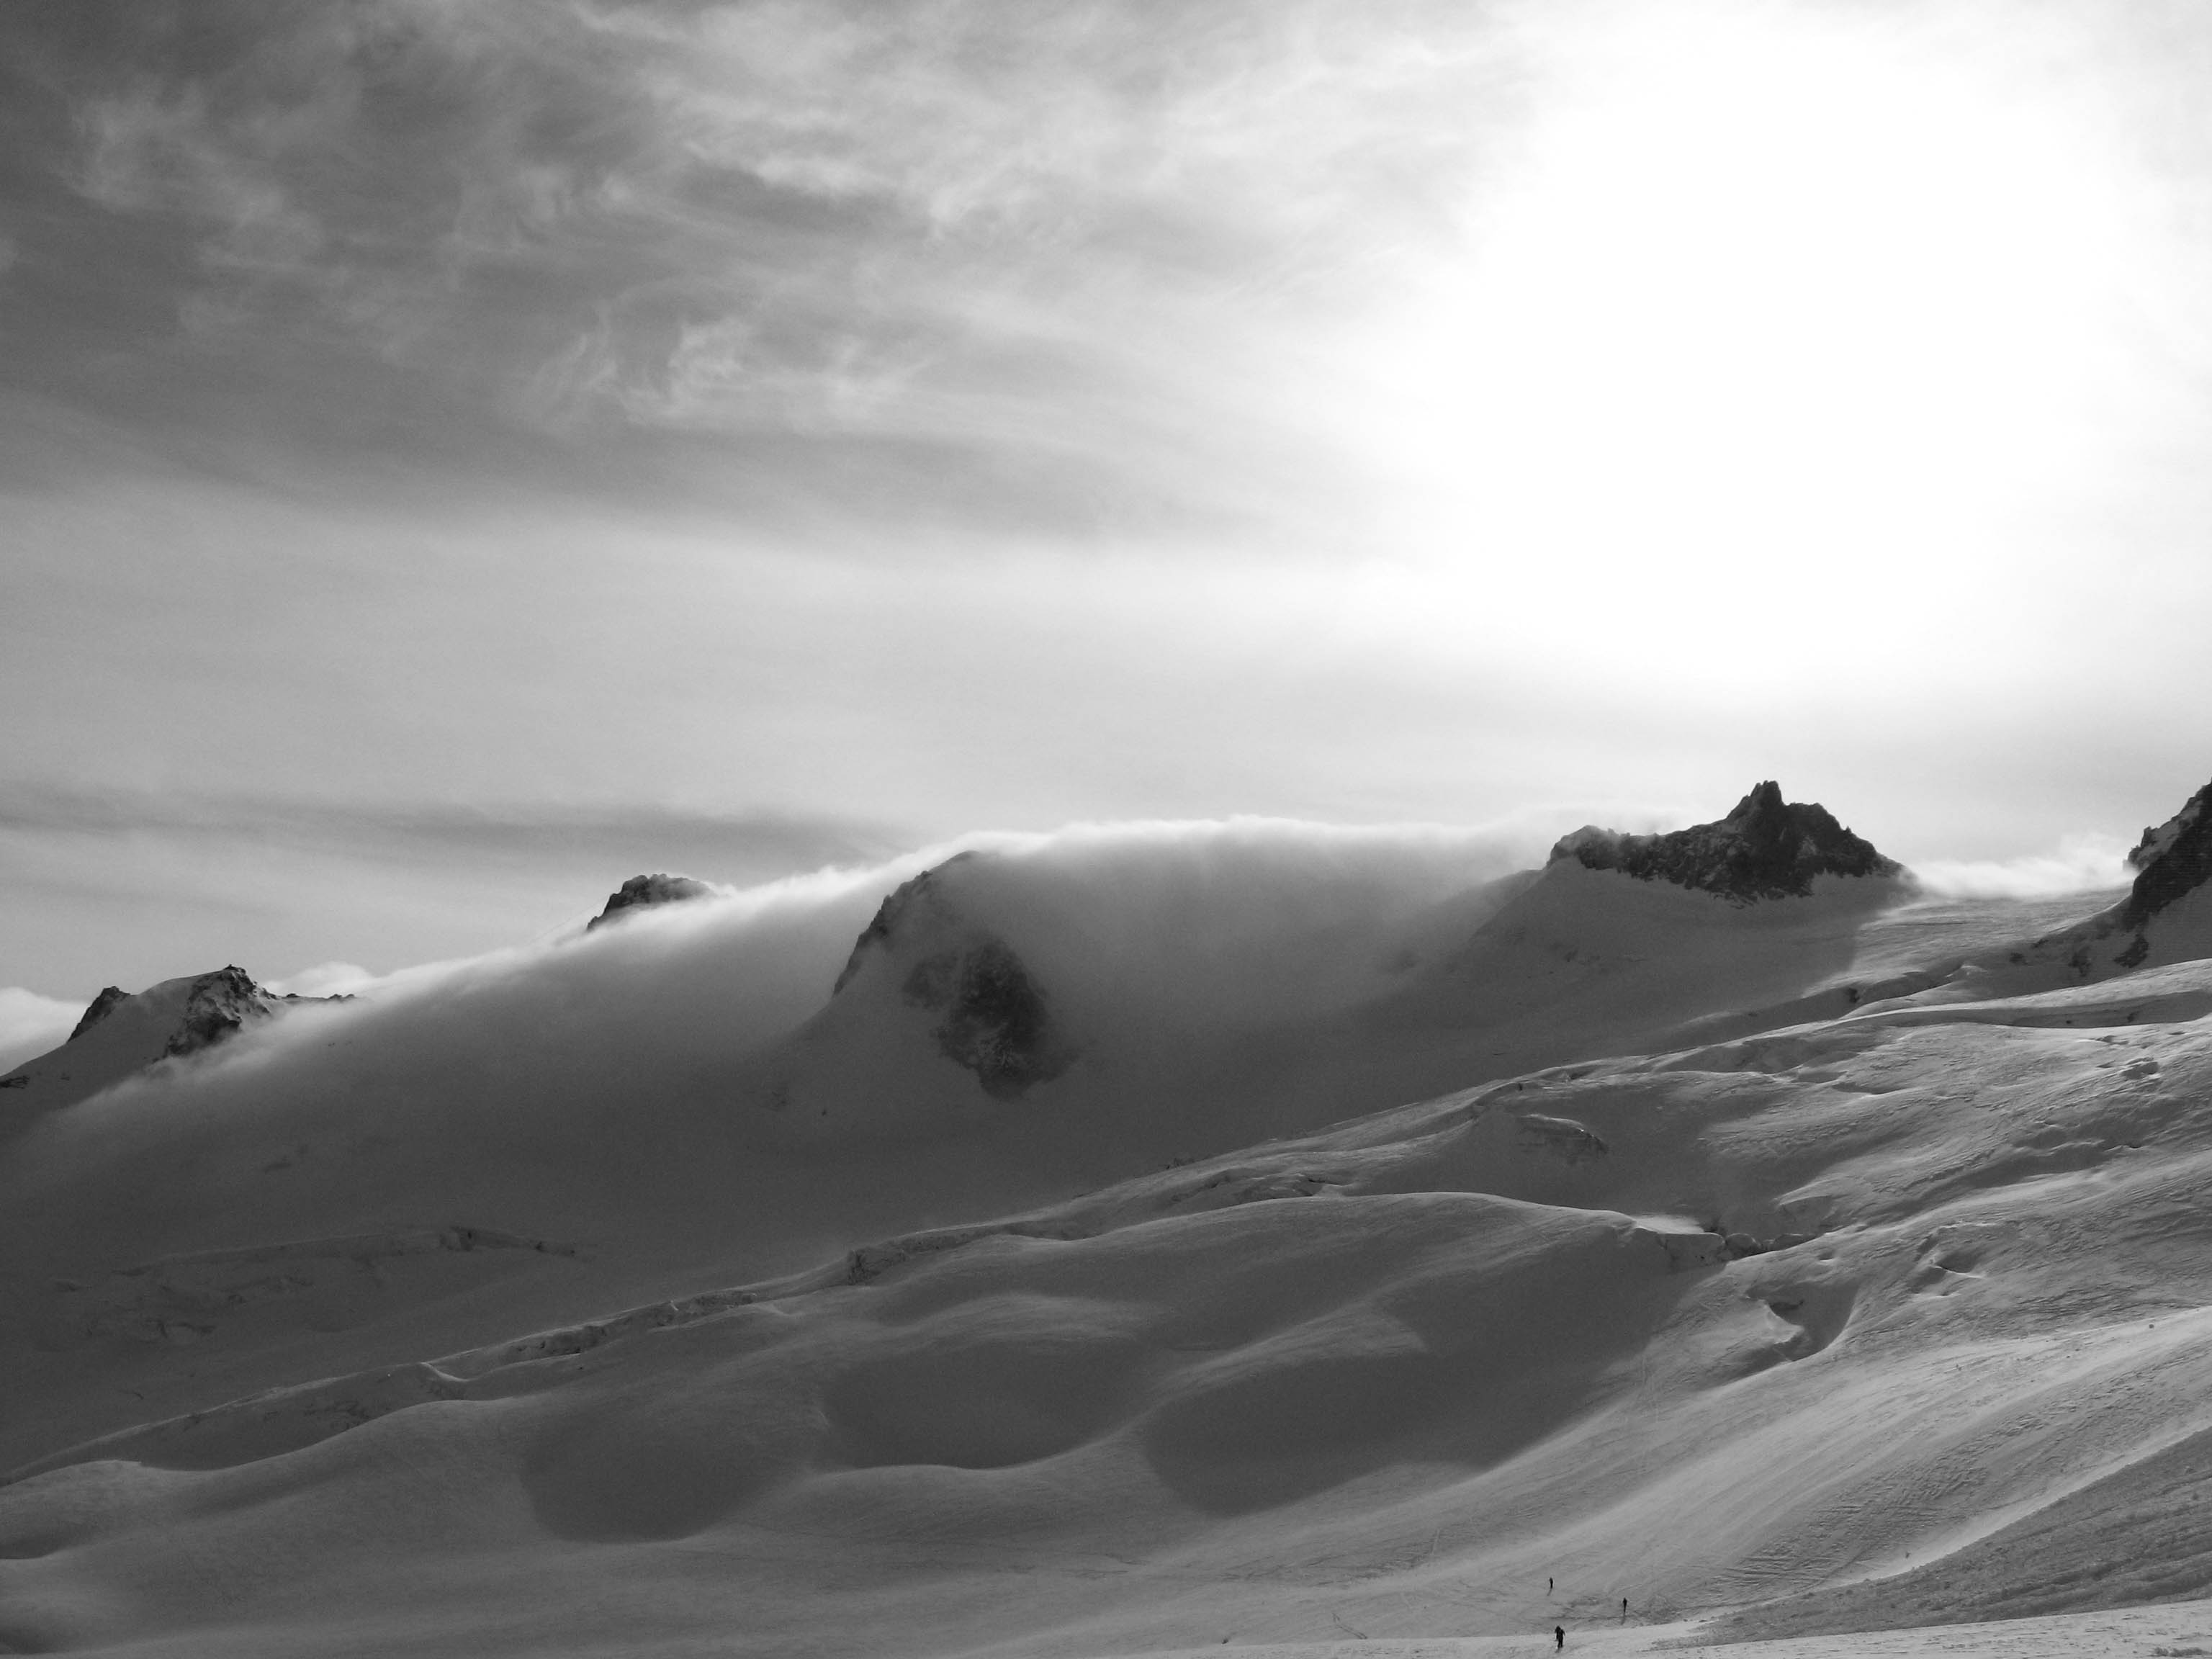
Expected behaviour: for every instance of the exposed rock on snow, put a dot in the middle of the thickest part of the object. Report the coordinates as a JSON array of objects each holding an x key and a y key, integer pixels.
[
  {"x": 995, "y": 1021},
  {"x": 2174, "y": 860},
  {"x": 2167, "y": 916},
  {"x": 121, "y": 1033},
  {"x": 994, "y": 1017},
  {"x": 641, "y": 892},
  {"x": 102, "y": 1007},
  {"x": 217, "y": 1005},
  {"x": 1764, "y": 848}
]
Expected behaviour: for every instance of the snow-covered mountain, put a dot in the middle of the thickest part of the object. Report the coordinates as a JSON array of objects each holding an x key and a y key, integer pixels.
[
  {"x": 1035, "y": 1251},
  {"x": 122, "y": 1035}
]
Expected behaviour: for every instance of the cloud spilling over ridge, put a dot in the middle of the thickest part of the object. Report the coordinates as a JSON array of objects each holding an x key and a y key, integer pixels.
[
  {"x": 1245, "y": 914},
  {"x": 1244, "y": 920},
  {"x": 2079, "y": 863},
  {"x": 647, "y": 1053},
  {"x": 1218, "y": 924}
]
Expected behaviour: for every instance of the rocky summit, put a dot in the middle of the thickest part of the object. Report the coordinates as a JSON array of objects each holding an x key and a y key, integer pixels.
[
  {"x": 640, "y": 892},
  {"x": 217, "y": 1004},
  {"x": 122, "y": 1034},
  {"x": 1765, "y": 848}
]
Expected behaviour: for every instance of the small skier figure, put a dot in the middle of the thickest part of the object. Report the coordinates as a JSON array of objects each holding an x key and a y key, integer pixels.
[
  {"x": 1558, "y": 1637},
  {"x": 1624, "y": 1609},
  {"x": 1548, "y": 1583}
]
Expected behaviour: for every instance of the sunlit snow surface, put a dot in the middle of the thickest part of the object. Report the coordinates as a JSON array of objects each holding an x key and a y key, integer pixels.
[{"x": 636, "y": 1295}]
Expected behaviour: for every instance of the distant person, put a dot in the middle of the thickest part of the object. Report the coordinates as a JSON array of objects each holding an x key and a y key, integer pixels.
[
  {"x": 1558, "y": 1637},
  {"x": 1624, "y": 1609},
  {"x": 1548, "y": 1583}
]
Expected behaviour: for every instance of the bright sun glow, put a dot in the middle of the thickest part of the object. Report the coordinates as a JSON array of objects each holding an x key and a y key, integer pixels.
[{"x": 1778, "y": 310}]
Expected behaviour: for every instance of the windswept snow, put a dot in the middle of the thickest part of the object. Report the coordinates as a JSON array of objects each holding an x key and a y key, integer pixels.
[{"x": 658, "y": 1292}]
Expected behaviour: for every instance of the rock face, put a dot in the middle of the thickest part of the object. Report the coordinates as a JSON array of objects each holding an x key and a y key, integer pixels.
[
  {"x": 2172, "y": 860},
  {"x": 2165, "y": 918},
  {"x": 121, "y": 1034},
  {"x": 217, "y": 1005},
  {"x": 102, "y": 1006},
  {"x": 642, "y": 892},
  {"x": 994, "y": 1017},
  {"x": 1765, "y": 848}
]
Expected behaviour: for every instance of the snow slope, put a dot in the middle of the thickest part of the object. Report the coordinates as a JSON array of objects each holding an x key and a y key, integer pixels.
[
  {"x": 620, "y": 1298},
  {"x": 121, "y": 1035}
]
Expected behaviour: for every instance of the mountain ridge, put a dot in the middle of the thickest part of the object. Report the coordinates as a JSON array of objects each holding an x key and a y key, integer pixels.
[
  {"x": 1707, "y": 1202},
  {"x": 1763, "y": 848}
]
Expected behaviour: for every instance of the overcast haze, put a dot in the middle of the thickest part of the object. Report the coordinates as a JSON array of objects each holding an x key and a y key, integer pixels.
[{"x": 453, "y": 455}]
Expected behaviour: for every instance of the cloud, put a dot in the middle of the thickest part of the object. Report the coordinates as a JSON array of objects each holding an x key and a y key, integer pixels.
[
  {"x": 2079, "y": 863},
  {"x": 30, "y": 1024},
  {"x": 1093, "y": 264},
  {"x": 1238, "y": 919},
  {"x": 1209, "y": 926},
  {"x": 1071, "y": 236}
]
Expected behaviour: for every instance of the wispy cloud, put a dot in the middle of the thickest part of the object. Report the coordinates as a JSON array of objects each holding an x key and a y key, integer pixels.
[{"x": 1074, "y": 235}]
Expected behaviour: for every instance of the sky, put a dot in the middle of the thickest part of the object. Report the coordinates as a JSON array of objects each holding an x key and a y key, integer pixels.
[{"x": 455, "y": 454}]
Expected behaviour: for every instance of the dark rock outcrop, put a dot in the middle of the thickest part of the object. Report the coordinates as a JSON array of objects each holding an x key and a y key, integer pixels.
[
  {"x": 2172, "y": 861},
  {"x": 995, "y": 1021},
  {"x": 1765, "y": 848},
  {"x": 124, "y": 1033},
  {"x": 102, "y": 1006},
  {"x": 994, "y": 1017},
  {"x": 2173, "y": 858},
  {"x": 640, "y": 892},
  {"x": 218, "y": 1005}
]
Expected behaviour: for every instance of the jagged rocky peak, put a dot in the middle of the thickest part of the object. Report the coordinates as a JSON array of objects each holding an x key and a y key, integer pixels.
[
  {"x": 122, "y": 1033},
  {"x": 209, "y": 1007},
  {"x": 992, "y": 1015},
  {"x": 1765, "y": 848},
  {"x": 215, "y": 1006},
  {"x": 640, "y": 892}
]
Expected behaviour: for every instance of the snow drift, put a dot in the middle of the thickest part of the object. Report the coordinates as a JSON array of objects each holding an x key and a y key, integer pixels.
[{"x": 1029, "y": 1248}]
